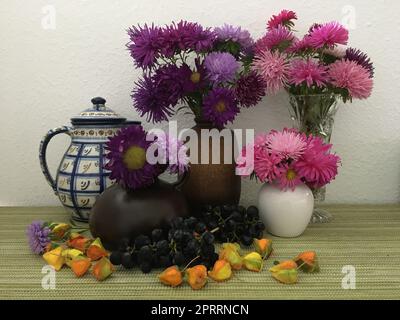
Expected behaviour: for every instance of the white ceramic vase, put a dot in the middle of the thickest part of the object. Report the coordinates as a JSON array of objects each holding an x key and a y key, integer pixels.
[{"x": 285, "y": 213}]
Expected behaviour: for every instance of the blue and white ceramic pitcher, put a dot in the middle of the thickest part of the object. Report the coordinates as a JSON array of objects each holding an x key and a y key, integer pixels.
[{"x": 81, "y": 177}]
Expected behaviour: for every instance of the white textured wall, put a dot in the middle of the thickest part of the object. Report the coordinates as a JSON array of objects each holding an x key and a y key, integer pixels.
[{"x": 46, "y": 76}]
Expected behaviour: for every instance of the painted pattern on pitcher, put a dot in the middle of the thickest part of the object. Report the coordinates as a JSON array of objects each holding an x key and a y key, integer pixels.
[{"x": 81, "y": 176}]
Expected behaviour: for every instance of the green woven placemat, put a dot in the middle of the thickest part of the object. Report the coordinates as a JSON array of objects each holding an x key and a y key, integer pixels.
[{"x": 366, "y": 237}]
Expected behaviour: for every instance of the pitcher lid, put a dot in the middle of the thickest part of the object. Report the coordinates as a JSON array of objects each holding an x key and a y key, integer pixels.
[{"x": 98, "y": 114}]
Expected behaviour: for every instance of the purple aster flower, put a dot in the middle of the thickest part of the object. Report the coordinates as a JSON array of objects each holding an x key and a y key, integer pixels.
[
  {"x": 145, "y": 44},
  {"x": 193, "y": 80},
  {"x": 220, "y": 107},
  {"x": 126, "y": 154},
  {"x": 184, "y": 35},
  {"x": 228, "y": 32},
  {"x": 250, "y": 89},
  {"x": 155, "y": 96},
  {"x": 221, "y": 66},
  {"x": 361, "y": 58},
  {"x": 38, "y": 236},
  {"x": 169, "y": 83}
]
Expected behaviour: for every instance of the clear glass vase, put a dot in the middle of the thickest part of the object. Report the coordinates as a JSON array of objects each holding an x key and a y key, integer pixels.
[{"x": 314, "y": 114}]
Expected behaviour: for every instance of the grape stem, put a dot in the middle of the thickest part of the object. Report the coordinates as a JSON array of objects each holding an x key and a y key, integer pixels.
[{"x": 194, "y": 259}]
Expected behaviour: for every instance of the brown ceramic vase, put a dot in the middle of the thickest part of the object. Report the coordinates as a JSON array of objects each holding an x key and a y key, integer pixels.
[
  {"x": 120, "y": 214},
  {"x": 211, "y": 184}
]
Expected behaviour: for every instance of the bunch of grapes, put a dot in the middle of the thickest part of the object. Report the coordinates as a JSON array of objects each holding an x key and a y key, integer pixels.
[
  {"x": 191, "y": 240},
  {"x": 186, "y": 240},
  {"x": 233, "y": 223}
]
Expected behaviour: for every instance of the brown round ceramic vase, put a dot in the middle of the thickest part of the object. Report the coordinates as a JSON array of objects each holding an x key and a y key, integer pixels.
[
  {"x": 211, "y": 184},
  {"x": 120, "y": 214}
]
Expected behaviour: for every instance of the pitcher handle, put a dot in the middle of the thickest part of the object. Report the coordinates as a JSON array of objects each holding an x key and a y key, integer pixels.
[{"x": 42, "y": 153}]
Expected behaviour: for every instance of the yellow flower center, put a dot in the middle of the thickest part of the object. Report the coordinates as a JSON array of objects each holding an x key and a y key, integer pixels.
[
  {"x": 220, "y": 106},
  {"x": 134, "y": 158},
  {"x": 291, "y": 174},
  {"x": 195, "y": 77}
]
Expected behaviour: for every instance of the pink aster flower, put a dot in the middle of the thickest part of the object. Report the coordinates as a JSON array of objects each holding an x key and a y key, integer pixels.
[
  {"x": 267, "y": 166},
  {"x": 288, "y": 143},
  {"x": 316, "y": 165},
  {"x": 284, "y": 18},
  {"x": 273, "y": 67},
  {"x": 289, "y": 179},
  {"x": 307, "y": 71},
  {"x": 328, "y": 35},
  {"x": 274, "y": 39},
  {"x": 300, "y": 45},
  {"x": 351, "y": 76},
  {"x": 261, "y": 139},
  {"x": 318, "y": 169}
]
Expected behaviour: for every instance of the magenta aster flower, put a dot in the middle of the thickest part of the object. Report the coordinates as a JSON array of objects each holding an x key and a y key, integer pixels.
[
  {"x": 351, "y": 76},
  {"x": 155, "y": 96},
  {"x": 300, "y": 45},
  {"x": 284, "y": 18},
  {"x": 307, "y": 71},
  {"x": 288, "y": 143},
  {"x": 221, "y": 66},
  {"x": 328, "y": 35},
  {"x": 361, "y": 58},
  {"x": 145, "y": 44},
  {"x": 289, "y": 179},
  {"x": 316, "y": 165},
  {"x": 220, "y": 107},
  {"x": 273, "y": 68},
  {"x": 38, "y": 236},
  {"x": 237, "y": 34},
  {"x": 126, "y": 154},
  {"x": 250, "y": 89},
  {"x": 174, "y": 152},
  {"x": 277, "y": 38},
  {"x": 267, "y": 166}
]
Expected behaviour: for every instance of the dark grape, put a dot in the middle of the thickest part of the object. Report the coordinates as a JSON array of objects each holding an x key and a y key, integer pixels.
[
  {"x": 157, "y": 235},
  {"x": 141, "y": 241},
  {"x": 213, "y": 258},
  {"x": 162, "y": 247},
  {"x": 200, "y": 227},
  {"x": 178, "y": 235},
  {"x": 208, "y": 237},
  {"x": 246, "y": 239},
  {"x": 212, "y": 224},
  {"x": 116, "y": 257},
  {"x": 236, "y": 216},
  {"x": 127, "y": 261},
  {"x": 252, "y": 231},
  {"x": 187, "y": 236},
  {"x": 165, "y": 261},
  {"x": 190, "y": 223},
  {"x": 179, "y": 258},
  {"x": 252, "y": 212},
  {"x": 145, "y": 267},
  {"x": 207, "y": 250},
  {"x": 230, "y": 225},
  {"x": 145, "y": 254},
  {"x": 260, "y": 226}
]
